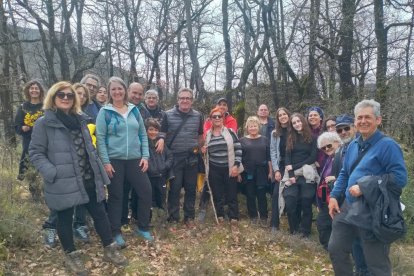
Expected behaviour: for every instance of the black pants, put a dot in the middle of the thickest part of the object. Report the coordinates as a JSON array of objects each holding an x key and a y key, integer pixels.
[
  {"x": 24, "y": 160},
  {"x": 274, "y": 220},
  {"x": 303, "y": 193},
  {"x": 129, "y": 170},
  {"x": 256, "y": 192},
  {"x": 224, "y": 189},
  {"x": 340, "y": 246},
  {"x": 185, "y": 177},
  {"x": 99, "y": 216},
  {"x": 159, "y": 191},
  {"x": 129, "y": 201},
  {"x": 324, "y": 225}
]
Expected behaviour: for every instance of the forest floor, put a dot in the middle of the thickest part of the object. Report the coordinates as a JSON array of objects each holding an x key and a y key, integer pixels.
[{"x": 208, "y": 249}]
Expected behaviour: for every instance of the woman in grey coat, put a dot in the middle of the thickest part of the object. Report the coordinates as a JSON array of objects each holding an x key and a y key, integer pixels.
[{"x": 62, "y": 151}]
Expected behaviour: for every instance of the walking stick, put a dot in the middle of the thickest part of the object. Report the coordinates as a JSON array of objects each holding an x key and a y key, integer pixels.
[{"x": 211, "y": 192}]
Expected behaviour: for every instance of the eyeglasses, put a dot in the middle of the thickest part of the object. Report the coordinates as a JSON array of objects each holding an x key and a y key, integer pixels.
[
  {"x": 328, "y": 146},
  {"x": 339, "y": 130},
  {"x": 62, "y": 95},
  {"x": 90, "y": 85},
  {"x": 185, "y": 98},
  {"x": 216, "y": 116}
]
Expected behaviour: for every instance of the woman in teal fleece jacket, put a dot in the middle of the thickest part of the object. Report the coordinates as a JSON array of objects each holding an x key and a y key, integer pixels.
[{"x": 123, "y": 147}]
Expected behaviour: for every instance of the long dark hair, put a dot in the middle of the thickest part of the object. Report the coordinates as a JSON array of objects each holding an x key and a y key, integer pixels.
[
  {"x": 278, "y": 128},
  {"x": 293, "y": 135}
]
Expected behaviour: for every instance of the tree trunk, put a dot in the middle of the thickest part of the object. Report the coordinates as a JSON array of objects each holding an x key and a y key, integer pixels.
[
  {"x": 347, "y": 41},
  {"x": 6, "y": 111},
  {"x": 196, "y": 73},
  {"x": 382, "y": 52}
]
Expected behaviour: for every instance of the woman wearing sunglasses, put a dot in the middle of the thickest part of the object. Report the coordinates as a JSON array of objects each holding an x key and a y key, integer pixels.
[
  {"x": 300, "y": 186},
  {"x": 223, "y": 165},
  {"x": 328, "y": 142},
  {"x": 62, "y": 151}
]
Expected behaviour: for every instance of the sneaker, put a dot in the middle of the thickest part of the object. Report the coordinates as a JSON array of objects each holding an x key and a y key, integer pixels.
[
  {"x": 220, "y": 221},
  {"x": 113, "y": 255},
  {"x": 146, "y": 235},
  {"x": 202, "y": 215},
  {"x": 75, "y": 264},
  {"x": 274, "y": 230},
  {"x": 119, "y": 240},
  {"x": 81, "y": 234},
  {"x": 50, "y": 237}
]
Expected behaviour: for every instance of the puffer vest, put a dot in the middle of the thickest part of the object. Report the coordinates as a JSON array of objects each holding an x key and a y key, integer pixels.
[{"x": 187, "y": 138}]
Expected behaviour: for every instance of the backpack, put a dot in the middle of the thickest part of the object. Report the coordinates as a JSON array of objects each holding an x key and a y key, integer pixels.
[{"x": 110, "y": 114}]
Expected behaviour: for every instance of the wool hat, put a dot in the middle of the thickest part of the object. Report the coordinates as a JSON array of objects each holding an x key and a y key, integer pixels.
[
  {"x": 317, "y": 109},
  {"x": 344, "y": 120}
]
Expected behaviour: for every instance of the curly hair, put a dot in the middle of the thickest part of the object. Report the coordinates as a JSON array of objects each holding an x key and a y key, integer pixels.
[{"x": 26, "y": 89}]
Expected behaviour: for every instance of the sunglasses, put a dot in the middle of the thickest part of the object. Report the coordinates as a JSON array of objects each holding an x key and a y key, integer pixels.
[
  {"x": 339, "y": 130},
  {"x": 62, "y": 95},
  {"x": 328, "y": 146},
  {"x": 216, "y": 116}
]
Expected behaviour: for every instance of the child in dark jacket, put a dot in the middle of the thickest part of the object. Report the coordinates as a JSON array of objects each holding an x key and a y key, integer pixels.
[{"x": 159, "y": 166}]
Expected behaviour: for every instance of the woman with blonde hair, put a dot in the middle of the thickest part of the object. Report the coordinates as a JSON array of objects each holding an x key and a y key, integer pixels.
[
  {"x": 257, "y": 170},
  {"x": 62, "y": 151}
]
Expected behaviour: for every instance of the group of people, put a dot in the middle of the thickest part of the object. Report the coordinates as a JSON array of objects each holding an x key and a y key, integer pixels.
[{"x": 83, "y": 143}]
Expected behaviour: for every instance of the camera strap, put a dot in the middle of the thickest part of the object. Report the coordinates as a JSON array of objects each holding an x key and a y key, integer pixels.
[{"x": 178, "y": 130}]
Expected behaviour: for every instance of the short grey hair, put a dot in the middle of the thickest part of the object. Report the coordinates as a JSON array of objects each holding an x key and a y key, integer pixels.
[
  {"x": 185, "y": 89},
  {"x": 90, "y": 76},
  {"x": 151, "y": 92},
  {"x": 330, "y": 137},
  {"x": 376, "y": 106}
]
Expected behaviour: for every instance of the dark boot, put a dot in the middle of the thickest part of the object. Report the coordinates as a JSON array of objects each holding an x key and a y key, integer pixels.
[
  {"x": 113, "y": 255},
  {"x": 75, "y": 264}
]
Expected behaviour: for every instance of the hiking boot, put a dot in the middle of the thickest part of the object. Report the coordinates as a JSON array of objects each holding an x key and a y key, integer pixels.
[
  {"x": 263, "y": 223},
  {"x": 234, "y": 228},
  {"x": 81, "y": 234},
  {"x": 50, "y": 237},
  {"x": 113, "y": 255},
  {"x": 75, "y": 264},
  {"x": 189, "y": 223},
  {"x": 202, "y": 215},
  {"x": 119, "y": 240},
  {"x": 146, "y": 235}
]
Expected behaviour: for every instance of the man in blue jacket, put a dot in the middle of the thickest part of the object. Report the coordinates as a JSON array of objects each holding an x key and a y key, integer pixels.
[{"x": 381, "y": 155}]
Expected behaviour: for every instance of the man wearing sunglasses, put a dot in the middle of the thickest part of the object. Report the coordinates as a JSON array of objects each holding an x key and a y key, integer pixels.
[{"x": 346, "y": 129}]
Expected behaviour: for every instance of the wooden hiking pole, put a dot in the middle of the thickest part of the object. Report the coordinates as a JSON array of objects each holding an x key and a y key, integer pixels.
[{"x": 206, "y": 182}]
